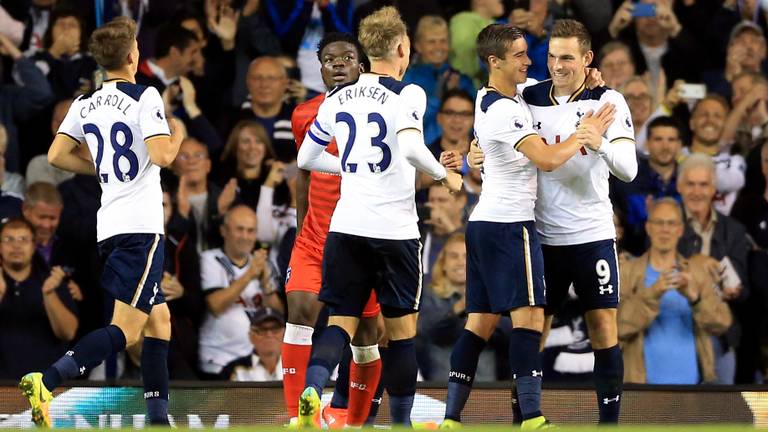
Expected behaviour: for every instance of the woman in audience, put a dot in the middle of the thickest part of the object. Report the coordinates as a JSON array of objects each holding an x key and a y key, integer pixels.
[{"x": 261, "y": 180}]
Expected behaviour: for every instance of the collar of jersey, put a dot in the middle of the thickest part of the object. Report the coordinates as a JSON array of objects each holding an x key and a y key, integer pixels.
[
  {"x": 115, "y": 80},
  {"x": 573, "y": 96},
  {"x": 494, "y": 89}
]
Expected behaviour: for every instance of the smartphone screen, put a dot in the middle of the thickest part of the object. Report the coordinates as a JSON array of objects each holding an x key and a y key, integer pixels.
[{"x": 644, "y": 10}]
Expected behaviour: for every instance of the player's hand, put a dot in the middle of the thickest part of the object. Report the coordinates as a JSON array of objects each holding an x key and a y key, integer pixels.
[
  {"x": 227, "y": 196},
  {"x": 589, "y": 136},
  {"x": 602, "y": 118},
  {"x": 621, "y": 19},
  {"x": 453, "y": 181},
  {"x": 594, "y": 78},
  {"x": 172, "y": 288},
  {"x": 476, "y": 157},
  {"x": 451, "y": 159},
  {"x": 54, "y": 280},
  {"x": 276, "y": 174},
  {"x": 258, "y": 263}
]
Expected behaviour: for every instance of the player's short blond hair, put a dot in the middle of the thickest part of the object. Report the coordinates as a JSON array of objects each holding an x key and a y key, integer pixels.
[
  {"x": 380, "y": 32},
  {"x": 110, "y": 44}
]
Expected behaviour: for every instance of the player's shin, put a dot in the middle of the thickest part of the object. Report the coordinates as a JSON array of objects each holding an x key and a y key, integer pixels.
[
  {"x": 609, "y": 378},
  {"x": 525, "y": 364},
  {"x": 401, "y": 370},
  {"x": 364, "y": 375},
  {"x": 340, "y": 397},
  {"x": 326, "y": 353},
  {"x": 296, "y": 349},
  {"x": 376, "y": 400},
  {"x": 92, "y": 349},
  {"x": 464, "y": 358},
  {"x": 154, "y": 372}
]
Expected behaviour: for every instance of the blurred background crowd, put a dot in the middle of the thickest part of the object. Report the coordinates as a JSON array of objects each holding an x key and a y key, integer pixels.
[{"x": 233, "y": 71}]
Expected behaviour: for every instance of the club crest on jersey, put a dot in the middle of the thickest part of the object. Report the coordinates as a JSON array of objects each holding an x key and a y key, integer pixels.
[
  {"x": 157, "y": 115},
  {"x": 415, "y": 115},
  {"x": 517, "y": 123}
]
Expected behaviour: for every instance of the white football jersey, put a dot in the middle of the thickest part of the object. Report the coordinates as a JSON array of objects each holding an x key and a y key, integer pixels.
[
  {"x": 115, "y": 121},
  {"x": 573, "y": 205},
  {"x": 377, "y": 182},
  {"x": 224, "y": 337},
  {"x": 509, "y": 178}
]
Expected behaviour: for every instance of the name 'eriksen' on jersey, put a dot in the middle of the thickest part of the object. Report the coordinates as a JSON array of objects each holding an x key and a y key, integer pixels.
[
  {"x": 376, "y": 93},
  {"x": 110, "y": 100}
]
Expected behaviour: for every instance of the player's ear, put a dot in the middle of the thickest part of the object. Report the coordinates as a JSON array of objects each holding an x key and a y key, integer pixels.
[{"x": 588, "y": 57}]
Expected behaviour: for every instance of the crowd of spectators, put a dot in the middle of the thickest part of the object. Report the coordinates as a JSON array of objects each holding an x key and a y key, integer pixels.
[{"x": 693, "y": 225}]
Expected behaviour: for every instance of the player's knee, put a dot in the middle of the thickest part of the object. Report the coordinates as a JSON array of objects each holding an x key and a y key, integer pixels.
[
  {"x": 302, "y": 312},
  {"x": 602, "y": 331},
  {"x": 399, "y": 325},
  {"x": 482, "y": 325},
  {"x": 367, "y": 332},
  {"x": 159, "y": 325}
]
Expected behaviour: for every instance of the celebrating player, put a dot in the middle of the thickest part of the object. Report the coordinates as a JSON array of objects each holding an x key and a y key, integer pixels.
[
  {"x": 341, "y": 57},
  {"x": 505, "y": 270},
  {"x": 128, "y": 137},
  {"x": 574, "y": 216},
  {"x": 374, "y": 238}
]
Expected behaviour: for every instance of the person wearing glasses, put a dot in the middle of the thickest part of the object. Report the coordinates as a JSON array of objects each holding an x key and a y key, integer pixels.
[
  {"x": 266, "y": 334},
  {"x": 669, "y": 309},
  {"x": 37, "y": 313}
]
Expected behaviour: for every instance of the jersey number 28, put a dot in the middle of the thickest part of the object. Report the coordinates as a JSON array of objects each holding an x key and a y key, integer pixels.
[
  {"x": 377, "y": 141},
  {"x": 121, "y": 151}
]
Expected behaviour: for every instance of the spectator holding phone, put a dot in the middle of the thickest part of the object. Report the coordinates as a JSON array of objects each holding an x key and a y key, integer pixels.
[
  {"x": 711, "y": 233},
  {"x": 746, "y": 53},
  {"x": 657, "y": 39},
  {"x": 669, "y": 309}
]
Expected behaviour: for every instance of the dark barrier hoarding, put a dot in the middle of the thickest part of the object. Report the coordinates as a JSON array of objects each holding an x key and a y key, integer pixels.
[{"x": 200, "y": 406}]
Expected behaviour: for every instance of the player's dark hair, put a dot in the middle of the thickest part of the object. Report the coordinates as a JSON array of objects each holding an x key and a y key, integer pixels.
[
  {"x": 568, "y": 28},
  {"x": 456, "y": 93},
  {"x": 494, "y": 40},
  {"x": 64, "y": 12},
  {"x": 172, "y": 36},
  {"x": 110, "y": 44},
  {"x": 344, "y": 37},
  {"x": 664, "y": 121}
]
